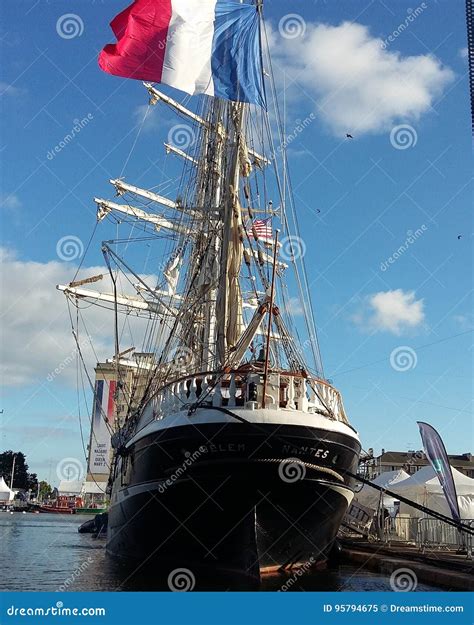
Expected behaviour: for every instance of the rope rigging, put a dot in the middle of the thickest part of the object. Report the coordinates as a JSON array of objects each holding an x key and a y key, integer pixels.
[{"x": 185, "y": 317}]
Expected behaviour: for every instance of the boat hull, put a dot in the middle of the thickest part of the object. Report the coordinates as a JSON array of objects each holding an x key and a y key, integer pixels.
[
  {"x": 56, "y": 510},
  {"x": 93, "y": 511},
  {"x": 231, "y": 497}
]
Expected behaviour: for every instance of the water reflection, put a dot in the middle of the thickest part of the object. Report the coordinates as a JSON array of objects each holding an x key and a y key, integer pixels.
[{"x": 46, "y": 553}]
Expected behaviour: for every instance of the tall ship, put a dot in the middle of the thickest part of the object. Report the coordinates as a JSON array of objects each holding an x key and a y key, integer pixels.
[{"x": 230, "y": 450}]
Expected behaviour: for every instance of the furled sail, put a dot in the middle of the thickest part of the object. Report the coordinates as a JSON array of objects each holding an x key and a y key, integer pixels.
[
  {"x": 234, "y": 262},
  {"x": 171, "y": 273}
]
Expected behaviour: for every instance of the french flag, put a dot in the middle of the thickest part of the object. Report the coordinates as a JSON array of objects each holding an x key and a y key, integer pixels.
[{"x": 197, "y": 46}]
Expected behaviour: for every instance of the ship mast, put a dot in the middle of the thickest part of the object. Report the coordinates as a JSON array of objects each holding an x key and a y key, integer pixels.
[
  {"x": 228, "y": 308},
  {"x": 215, "y": 144}
]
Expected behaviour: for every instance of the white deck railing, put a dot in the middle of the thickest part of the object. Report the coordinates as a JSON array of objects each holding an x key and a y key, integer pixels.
[{"x": 245, "y": 389}]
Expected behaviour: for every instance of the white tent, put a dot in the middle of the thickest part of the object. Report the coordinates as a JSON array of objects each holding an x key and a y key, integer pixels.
[
  {"x": 70, "y": 487},
  {"x": 370, "y": 496},
  {"x": 94, "y": 488},
  {"x": 6, "y": 494},
  {"x": 424, "y": 488},
  {"x": 94, "y": 494}
]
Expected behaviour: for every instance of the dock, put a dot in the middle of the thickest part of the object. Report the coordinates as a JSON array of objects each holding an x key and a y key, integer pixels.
[{"x": 446, "y": 569}]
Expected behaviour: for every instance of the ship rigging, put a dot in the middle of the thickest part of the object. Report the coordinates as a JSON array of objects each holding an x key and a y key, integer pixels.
[{"x": 223, "y": 376}]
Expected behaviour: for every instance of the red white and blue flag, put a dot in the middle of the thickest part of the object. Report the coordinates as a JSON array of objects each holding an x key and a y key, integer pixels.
[
  {"x": 262, "y": 229},
  {"x": 197, "y": 46}
]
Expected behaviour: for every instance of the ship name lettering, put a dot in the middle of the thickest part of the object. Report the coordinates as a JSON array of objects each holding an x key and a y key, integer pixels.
[
  {"x": 232, "y": 447},
  {"x": 322, "y": 453},
  {"x": 299, "y": 451}
]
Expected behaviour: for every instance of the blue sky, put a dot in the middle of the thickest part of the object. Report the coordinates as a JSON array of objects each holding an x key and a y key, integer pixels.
[{"x": 369, "y": 191}]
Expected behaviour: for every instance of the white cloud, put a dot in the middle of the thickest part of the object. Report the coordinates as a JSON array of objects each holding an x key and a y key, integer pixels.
[
  {"x": 392, "y": 311},
  {"x": 465, "y": 321},
  {"x": 294, "y": 307},
  {"x": 463, "y": 53},
  {"x": 358, "y": 86},
  {"x": 10, "y": 201},
  {"x": 36, "y": 333},
  {"x": 147, "y": 117},
  {"x": 9, "y": 90}
]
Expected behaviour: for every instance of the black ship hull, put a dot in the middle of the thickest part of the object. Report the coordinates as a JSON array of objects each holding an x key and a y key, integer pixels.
[{"x": 230, "y": 498}]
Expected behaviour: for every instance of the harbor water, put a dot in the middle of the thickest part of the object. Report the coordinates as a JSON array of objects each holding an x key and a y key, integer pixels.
[{"x": 45, "y": 552}]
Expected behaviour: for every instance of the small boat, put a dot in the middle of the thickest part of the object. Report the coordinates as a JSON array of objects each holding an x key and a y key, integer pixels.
[
  {"x": 88, "y": 510},
  {"x": 62, "y": 505},
  {"x": 57, "y": 510}
]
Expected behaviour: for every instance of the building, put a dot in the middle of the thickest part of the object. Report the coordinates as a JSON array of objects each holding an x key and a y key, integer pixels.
[
  {"x": 411, "y": 461},
  {"x": 112, "y": 403}
]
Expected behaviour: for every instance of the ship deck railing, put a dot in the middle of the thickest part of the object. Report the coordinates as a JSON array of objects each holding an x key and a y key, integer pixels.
[{"x": 284, "y": 391}]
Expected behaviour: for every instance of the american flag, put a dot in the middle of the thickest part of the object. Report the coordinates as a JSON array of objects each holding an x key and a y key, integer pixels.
[{"x": 262, "y": 229}]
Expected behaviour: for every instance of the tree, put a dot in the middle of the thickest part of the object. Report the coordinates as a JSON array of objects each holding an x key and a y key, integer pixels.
[
  {"x": 21, "y": 478},
  {"x": 32, "y": 482},
  {"x": 45, "y": 490}
]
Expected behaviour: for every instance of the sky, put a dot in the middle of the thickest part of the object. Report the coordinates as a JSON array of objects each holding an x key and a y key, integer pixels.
[{"x": 386, "y": 214}]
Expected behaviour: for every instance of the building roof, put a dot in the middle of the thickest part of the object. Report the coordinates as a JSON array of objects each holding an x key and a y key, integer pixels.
[
  {"x": 461, "y": 462},
  {"x": 418, "y": 457},
  {"x": 402, "y": 456},
  {"x": 467, "y": 456}
]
